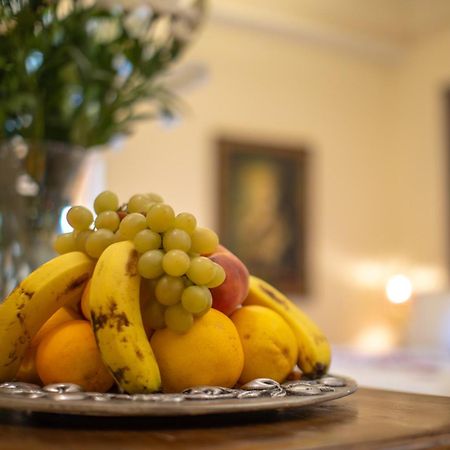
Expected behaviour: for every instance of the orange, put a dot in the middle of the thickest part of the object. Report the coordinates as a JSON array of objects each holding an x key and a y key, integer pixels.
[
  {"x": 210, "y": 353},
  {"x": 64, "y": 314},
  {"x": 27, "y": 371},
  {"x": 69, "y": 354}
]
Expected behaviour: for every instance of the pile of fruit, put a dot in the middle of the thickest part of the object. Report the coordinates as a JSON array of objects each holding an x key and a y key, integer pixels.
[{"x": 145, "y": 300}]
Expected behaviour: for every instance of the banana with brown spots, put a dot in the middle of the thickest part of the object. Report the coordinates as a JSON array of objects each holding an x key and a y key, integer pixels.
[
  {"x": 314, "y": 355},
  {"x": 59, "y": 282},
  {"x": 117, "y": 323}
]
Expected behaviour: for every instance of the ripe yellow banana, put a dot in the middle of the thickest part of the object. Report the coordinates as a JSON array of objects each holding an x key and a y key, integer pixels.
[
  {"x": 314, "y": 350},
  {"x": 57, "y": 283},
  {"x": 117, "y": 323}
]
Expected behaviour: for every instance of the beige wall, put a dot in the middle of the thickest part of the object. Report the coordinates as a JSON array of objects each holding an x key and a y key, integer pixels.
[
  {"x": 345, "y": 109},
  {"x": 418, "y": 147}
]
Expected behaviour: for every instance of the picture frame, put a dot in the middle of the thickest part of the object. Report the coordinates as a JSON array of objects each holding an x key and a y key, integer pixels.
[{"x": 263, "y": 191}]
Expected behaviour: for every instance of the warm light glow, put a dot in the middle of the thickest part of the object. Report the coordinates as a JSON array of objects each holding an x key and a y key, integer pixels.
[
  {"x": 377, "y": 339},
  {"x": 369, "y": 274},
  {"x": 428, "y": 279},
  {"x": 399, "y": 289}
]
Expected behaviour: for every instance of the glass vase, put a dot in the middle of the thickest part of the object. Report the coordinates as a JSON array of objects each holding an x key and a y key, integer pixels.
[{"x": 37, "y": 181}]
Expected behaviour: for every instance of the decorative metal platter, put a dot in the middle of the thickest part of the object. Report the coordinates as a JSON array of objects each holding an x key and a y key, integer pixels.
[{"x": 262, "y": 394}]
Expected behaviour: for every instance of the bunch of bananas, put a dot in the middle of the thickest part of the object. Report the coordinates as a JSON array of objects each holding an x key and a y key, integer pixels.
[{"x": 115, "y": 315}]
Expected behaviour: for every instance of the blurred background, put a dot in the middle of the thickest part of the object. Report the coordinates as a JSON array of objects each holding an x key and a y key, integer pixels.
[{"x": 361, "y": 88}]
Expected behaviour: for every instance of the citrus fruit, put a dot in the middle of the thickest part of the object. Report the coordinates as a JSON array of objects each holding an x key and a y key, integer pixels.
[
  {"x": 69, "y": 354},
  {"x": 27, "y": 371},
  {"x": 270, "y": 347},
  {"x": 209, "y": 353},
  {"x": 62, "y": 315}
]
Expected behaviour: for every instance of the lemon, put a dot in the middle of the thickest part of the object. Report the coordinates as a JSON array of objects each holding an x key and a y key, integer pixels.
[
  {"x": 209, "y": 353},
  {"x": 270, "y": 347}
]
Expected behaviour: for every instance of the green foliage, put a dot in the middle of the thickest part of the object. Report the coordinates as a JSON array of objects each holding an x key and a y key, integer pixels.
[{"x": 76, "y": 73}]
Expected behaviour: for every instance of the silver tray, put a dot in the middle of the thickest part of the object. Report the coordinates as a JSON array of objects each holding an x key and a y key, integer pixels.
[{"x": 258, "y": 395}]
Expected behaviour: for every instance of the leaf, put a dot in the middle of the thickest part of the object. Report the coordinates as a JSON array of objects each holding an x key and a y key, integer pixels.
[{"x": 78, "y": 93}]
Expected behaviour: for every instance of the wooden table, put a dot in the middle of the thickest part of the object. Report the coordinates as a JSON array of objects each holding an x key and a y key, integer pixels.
[{"x": 368, "y": 419}]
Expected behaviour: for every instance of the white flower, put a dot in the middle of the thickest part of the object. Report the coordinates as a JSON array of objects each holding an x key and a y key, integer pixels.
[
  {"x": 64, "y": 8},
  {"x": 103, "y": 30},
  {"x": 138, "y": 20}
]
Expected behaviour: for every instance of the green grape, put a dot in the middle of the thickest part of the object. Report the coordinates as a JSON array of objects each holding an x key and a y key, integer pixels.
[
  {"x": 80, "y": 218},
  {"x": 139, "y": 203},
  {"x": 146, "y": 240},
  {"x": 186, "y": 221},
  {"x": 178, "y": 319},
  {"x": 154, "y": 198},
  {"x": 204, "y": 241},
  {"x": 168, "y": 290},
  {"x": 97, "y": 241},
  {"x": 65, "y": 243},
  {"x": 131, "y": 224},
  {"x": 153, "y": 316},
  {"x": 201, "y": 270},
  {"x": 80, "y": 239},
  {"x": 106, "y": 201},
  {"x": 176, "y": 263},
  {"x": 107, "y": 219},
  {"x": 196, "y": 299},
  {"x": 176, "y": 239},
  {"x": 150, "y": 264},
  {"x": 160, "y": 217},
  {"x": 219, "y": 276}
]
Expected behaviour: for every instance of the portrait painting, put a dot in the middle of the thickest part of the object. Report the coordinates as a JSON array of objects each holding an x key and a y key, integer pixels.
[{"x": 262, "y": 200}]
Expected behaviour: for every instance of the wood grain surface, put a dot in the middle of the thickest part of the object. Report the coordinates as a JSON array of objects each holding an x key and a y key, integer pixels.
[{"x": 368, "y": 419}]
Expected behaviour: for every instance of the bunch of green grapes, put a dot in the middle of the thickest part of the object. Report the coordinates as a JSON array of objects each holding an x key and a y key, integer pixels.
[
  {"x": 170, "y": 246},
  {"x": 89, "y": 236}
]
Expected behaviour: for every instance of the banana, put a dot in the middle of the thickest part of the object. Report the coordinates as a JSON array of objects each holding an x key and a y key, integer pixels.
[
  {"x": 117, "y": 323},
  {"x": 314, "y": 350},
  {"x": 57, "y": 283}
]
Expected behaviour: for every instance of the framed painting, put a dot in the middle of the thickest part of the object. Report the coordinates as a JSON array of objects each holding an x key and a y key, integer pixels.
[{"x": 262, "y": 209}]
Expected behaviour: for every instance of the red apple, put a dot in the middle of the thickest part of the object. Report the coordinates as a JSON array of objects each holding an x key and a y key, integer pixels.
[{"x": 233, "y": 291}]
